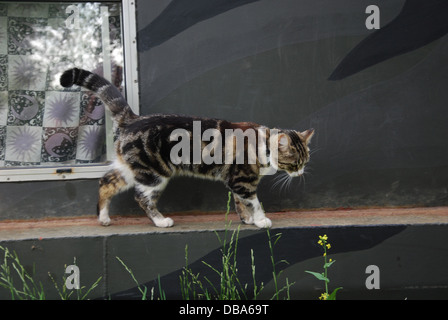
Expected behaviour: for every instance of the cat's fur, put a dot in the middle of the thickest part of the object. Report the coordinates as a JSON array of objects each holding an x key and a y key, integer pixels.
[{"x": 143, "y": 155}]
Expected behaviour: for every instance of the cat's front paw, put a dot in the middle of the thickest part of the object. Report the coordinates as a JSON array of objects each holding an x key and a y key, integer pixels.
[
  {"x": 164, "y": 223},
  {"x": 264, "y": 223},
  {"x": 104, "y": 219},
  {"x": 249, "y": 220},
  {"x": 104, "y": 222}
]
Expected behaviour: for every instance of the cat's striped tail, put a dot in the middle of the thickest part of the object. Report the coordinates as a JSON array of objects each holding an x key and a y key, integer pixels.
[{"x": 106, "y": 91}]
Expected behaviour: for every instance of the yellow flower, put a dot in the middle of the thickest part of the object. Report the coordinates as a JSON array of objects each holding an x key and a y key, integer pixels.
[
  {"x": 325, "y": 254},
  {"x": 323, "y": 296},
  {"x": 320, "y": 242},
  {"x": 328, "y": 246},
  {"x": 324, "y": 237}
]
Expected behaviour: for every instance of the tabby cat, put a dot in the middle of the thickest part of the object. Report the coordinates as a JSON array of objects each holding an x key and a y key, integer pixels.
[{"x": 144, "y": 157}]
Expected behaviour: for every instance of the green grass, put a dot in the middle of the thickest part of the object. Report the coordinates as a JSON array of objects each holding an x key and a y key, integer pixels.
[
  {"x": 193, "y": 286},
  {"x": 26, "y": 288},
  {"x": 66, "y": 294},
  {"x": 21, "y": 284}
]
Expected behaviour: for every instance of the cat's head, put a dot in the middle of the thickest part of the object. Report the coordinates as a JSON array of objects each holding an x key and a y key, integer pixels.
[{"x": 293, "y": 151}]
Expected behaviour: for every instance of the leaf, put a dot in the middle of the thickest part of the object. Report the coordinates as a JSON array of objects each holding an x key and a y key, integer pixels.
[
  {"x": 333, "y": 294},
  {"x": 319, "y": 276},
  {"x": 328, "y": 264},
  {"x": 278, "y": 236}
]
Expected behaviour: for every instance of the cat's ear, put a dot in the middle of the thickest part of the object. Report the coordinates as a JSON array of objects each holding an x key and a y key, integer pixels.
[
  {"x": 307, "y": 135},
  {"x": 283, "y": 142}
]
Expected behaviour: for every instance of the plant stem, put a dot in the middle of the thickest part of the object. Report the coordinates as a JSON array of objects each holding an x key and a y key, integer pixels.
[
  {"x": 325, "y": 268},
  {"x": 274, "y": 273}
]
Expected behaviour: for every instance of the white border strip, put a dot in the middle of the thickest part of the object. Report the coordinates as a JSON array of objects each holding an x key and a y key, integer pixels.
[
  {"x": 130, "y": 54},
  {"x": 54, "y": 173}
]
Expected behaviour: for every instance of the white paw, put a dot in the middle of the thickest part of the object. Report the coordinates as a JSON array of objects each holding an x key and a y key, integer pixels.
[
  {"x": 249, "y": 221},
  {"x": 164, "y": 223},
  {"x": 103, "y": 218},
  {"x": 104, "y": 221},
  {"x": 264, "y": 223}
]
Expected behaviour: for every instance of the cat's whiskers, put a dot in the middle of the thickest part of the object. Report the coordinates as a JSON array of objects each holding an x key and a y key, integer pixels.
[
  {"x": 314, "y": 150},
  {"x": 277, "y": 180},
  {"x": 288, "y": 182},
  {"x": 302, "y": 178},
  {"x": 283, "y": 181}
]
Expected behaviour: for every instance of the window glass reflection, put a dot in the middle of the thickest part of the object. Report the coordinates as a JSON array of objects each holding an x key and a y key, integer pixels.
[{"x": 41, "y": 123}]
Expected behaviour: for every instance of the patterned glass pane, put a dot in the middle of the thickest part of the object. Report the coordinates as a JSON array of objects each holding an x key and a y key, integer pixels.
[{"x": 41, "y": 123}]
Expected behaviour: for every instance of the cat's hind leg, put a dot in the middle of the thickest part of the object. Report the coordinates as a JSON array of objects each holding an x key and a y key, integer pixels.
[
  {"x": 260, "y": 219},
  {"x": 112, "y": 183},
  {"x": 147, "y": 197},
  {"x": 250, "y": 211},
  {"x": 243, "y": 211}
]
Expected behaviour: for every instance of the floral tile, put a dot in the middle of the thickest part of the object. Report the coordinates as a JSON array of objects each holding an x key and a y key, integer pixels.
[
  {"x": 22, "y": 32},
  {"x": 26, "y": 73},
  {"x": 3, "y": 35},
  {"x": 61, "y": 109},
  {"x": 59, "y": 144},
  {"x": 23, "y": 144},
  {"x": 3, "y": 107},
  {"x": 92, "y": 110},
  {"x": 3, "y": 72},
  {"x": 2, "y": 142},
  {"x": 91, "y": 143},
  {"x": 26, "y": 108}
]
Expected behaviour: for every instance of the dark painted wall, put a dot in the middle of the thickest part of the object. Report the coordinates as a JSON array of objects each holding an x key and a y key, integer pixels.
[
  {"x": 411, "y": 259},
  {"x": 377, "y": 99}
]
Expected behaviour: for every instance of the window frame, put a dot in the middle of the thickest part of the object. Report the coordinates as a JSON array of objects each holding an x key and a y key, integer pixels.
[{"x": 91, "y": 171}]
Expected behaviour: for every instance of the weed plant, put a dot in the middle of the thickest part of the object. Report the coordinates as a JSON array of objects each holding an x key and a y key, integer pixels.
[
  {"x": 323, "y": 276},
  {"x": 230, "y": 286},
  {"x": 27, "y": 288},
  {"x": 193, "y": 286},
  {"x": 66, "y": 294},
  {"x": 22, "y": 285}
]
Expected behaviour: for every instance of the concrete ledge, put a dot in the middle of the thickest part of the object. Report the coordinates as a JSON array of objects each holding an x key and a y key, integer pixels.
[
  {"x": 408, "y": 245},
  {"x": 188, "y": 222}
]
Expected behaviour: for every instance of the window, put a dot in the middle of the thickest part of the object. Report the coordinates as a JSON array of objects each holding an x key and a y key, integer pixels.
[{"x": 46, "y": 131}]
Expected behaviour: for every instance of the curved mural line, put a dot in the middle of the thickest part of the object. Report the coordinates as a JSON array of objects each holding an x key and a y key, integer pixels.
[
  {"x": 294, "y": 246},
  {"x": 419, "y": 23},
  {"x": 180, "y": 15}
]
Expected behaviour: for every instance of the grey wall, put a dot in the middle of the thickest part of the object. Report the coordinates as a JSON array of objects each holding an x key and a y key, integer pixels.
[
  {"x": 404, "y": 254},
  {"x": 377, "y": 99}
]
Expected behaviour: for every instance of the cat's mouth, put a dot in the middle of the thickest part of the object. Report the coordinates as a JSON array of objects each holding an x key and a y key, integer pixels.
[{"x": 296, "y": 173}]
